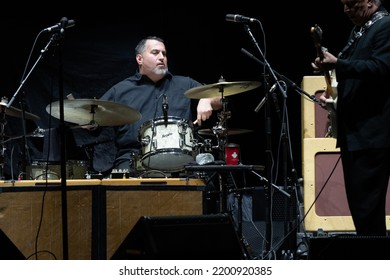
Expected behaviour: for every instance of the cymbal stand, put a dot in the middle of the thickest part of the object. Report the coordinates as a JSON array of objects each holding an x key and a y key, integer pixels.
[
  {"x": 220, "y": 130},
  {"x": 3, "y": 123},
  {"x": 25, "y": 152}
]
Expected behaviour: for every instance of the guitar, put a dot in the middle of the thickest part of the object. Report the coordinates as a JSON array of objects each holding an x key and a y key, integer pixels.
[{"x": 331, "y": 83}]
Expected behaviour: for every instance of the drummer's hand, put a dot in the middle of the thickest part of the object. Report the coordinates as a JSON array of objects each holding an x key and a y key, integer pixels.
[
  {"x": 90, "y": 127},
  {"x": 205, "y": 108}
]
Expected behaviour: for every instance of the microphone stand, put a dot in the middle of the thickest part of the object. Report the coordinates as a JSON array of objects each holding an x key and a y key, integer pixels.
[
  {"x": 25, "y": 154},
  {"x": 268, "y": 127},
  {"x": 56, "y": 38},
  {"x": 43, "y": 51},
  {"x": 62, "y": 129},
  {"x": 283, "y": 78}
]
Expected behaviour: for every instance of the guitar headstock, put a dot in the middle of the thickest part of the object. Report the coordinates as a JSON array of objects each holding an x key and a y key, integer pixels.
[{"x": 316, "y": 33}]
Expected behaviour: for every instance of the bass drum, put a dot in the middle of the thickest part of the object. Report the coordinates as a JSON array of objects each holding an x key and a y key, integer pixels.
[
  {"x": 166, "y": 146},
  {"x": 43, "y": 171}
]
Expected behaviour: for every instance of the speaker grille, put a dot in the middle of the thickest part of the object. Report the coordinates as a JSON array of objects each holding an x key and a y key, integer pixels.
[{"x": 182, "y": 237}]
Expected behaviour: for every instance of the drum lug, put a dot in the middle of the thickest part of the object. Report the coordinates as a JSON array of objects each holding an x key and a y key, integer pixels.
[
  {"x": 154, "y": 144},
  {"x": 181, "y": 142},
  {"x": 145, "y": 140},
  {"x": 182, "y": 127}
]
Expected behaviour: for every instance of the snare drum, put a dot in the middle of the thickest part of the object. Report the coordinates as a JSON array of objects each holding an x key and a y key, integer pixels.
[{"x": 166, "y": 146}]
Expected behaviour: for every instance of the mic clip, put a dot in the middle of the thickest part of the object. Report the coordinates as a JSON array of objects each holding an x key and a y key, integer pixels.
[{"x": 165, "y": 109}]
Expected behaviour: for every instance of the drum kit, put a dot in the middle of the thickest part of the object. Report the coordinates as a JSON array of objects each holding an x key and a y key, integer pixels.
[{"x": 167, "y": 147}]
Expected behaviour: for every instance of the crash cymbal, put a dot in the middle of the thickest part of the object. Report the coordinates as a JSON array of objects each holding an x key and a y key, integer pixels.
[
  {"x": 94, "y": 111},
  {"x": 14, "y": 112},
  {"x": 225, "y": 88},
  {"x": 230, "y": 131}
]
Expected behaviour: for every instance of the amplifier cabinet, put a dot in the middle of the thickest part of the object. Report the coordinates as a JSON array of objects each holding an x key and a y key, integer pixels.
[
  {"x": 127, "y": 201},
  {"x": 325, "y": 202},
  {"x": 100, "y": 212},
  {"x": 314, "y": 120},
  {"x": 30, "y": 207}
]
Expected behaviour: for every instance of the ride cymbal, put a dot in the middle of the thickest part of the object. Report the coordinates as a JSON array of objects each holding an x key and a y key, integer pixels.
[
  {"x": 94, "y": 111},
  {"x": 221, "y": 89}
]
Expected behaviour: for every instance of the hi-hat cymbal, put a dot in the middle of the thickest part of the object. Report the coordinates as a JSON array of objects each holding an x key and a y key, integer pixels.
[
  {"x": 14, "y": 112},
  {"x": 221, "y": 89},
  {"x": 94, "y": 111},
  {"x": 230, "y": 131}
]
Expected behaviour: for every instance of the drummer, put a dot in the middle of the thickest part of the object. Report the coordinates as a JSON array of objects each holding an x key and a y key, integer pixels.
[{"x": 146, "y": 91}]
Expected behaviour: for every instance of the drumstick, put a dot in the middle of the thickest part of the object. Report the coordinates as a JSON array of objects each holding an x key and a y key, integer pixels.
[{"x": 195, "y": 122}]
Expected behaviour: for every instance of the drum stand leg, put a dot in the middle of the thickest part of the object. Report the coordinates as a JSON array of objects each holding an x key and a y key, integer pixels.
[{"x": 238, "y": 221}]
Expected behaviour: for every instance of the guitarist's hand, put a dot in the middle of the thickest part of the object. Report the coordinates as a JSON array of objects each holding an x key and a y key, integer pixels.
[
  {"x": 326, "y": 63},
  {"x": 323, "y": 96}
]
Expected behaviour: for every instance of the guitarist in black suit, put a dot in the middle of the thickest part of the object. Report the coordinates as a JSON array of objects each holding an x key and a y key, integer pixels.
[{"x": 363, "y": 112}]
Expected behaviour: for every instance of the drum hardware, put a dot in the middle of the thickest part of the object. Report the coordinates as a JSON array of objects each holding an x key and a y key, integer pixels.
[
  {"x": 207, "y": 146},
  {"x": 153, "y": 174},
  {"x": 7, "y": 110},
  {"x": 94, "y": 112},
  {"x": 37, "y": 133},
  {"x": 221, "y": 89},
  {"x": 219, "y": 130}
]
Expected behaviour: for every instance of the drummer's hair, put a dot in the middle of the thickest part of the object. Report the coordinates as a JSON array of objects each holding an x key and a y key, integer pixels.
[{"x": 140, "y": 48}]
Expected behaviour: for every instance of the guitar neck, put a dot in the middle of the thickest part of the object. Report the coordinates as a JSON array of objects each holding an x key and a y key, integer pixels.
[
  {"x": 328, "y": 77},
  {"x": 316, "y": 33}
]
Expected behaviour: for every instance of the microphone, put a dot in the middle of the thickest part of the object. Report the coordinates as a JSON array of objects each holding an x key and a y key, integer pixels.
[
  {"x": 239, "y": 18},
  {"x": 165, "y": 109},
  {"x": 274, "y": 98},
  {"x": 64, "y": 23}
]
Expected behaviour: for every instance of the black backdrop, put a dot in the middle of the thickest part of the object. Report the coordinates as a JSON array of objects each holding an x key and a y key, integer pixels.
[{"x": 99, "y": 51}]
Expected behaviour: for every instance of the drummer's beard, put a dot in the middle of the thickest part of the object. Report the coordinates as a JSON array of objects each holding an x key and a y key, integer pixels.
[{"x": 161, "y": 71}]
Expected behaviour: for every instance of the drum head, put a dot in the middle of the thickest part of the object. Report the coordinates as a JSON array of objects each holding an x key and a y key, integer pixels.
[{"x": 168, "y": 160}]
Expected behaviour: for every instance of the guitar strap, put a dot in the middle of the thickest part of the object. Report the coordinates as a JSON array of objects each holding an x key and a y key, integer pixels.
[{"x": 357, "y": 34}]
